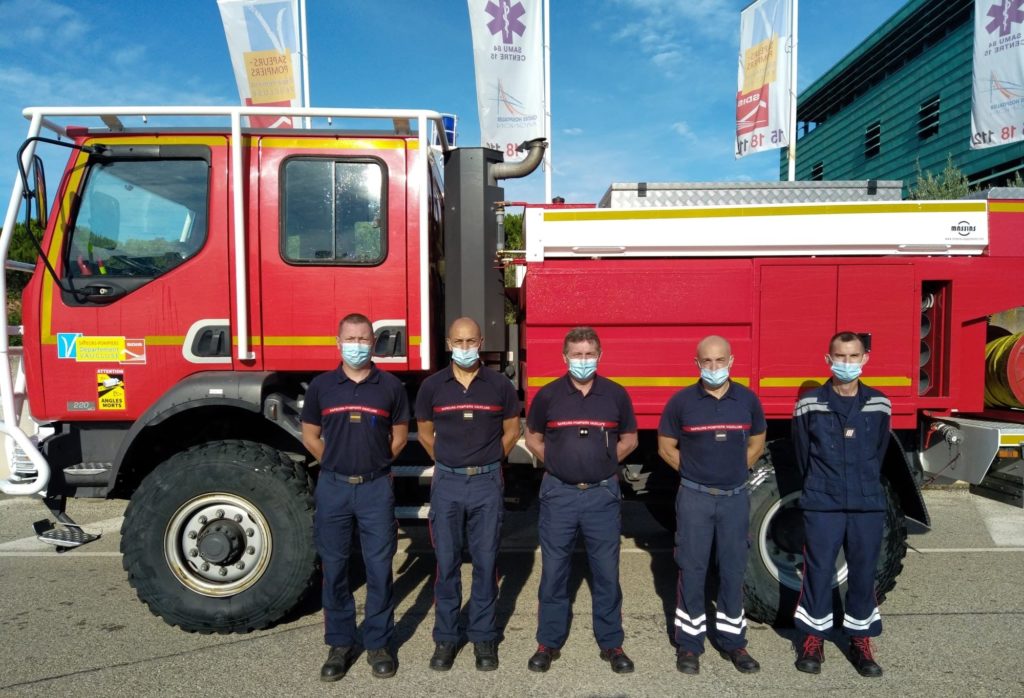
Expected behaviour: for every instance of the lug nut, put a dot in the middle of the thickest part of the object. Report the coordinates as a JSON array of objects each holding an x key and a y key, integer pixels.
[
  {"x": 250, "y": 550},
  {"x": 237, "y": 518},
  {"x": 205, "y": 567},
  {"x": 240, "y": 565},
  {"x": 249, "y": 532},
  {"x": 203, "y": 520},
  {"x": 223, "y": 571},
  {"x": 220, "y": 514},
  {"x": 193, "y": 552},
  {"x": 192, "y": 535}
]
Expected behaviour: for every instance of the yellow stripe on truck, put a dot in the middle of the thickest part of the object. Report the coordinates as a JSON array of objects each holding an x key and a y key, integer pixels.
[
  {"x": 636, "y": 381},
  {"x": 591, "y": 214}
]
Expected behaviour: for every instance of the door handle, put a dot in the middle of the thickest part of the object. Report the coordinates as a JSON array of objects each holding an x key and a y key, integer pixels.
[{"x": 102, "y": 293}]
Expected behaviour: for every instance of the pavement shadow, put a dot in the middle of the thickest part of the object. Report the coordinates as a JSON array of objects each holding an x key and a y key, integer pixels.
[{"x": 416, "y": 572}]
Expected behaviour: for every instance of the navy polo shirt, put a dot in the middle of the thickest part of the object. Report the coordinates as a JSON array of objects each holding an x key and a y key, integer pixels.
[
  {"x": 713, "y": 433},
  {"x": 467, "y": 421},
  {"x": 355, "y": 418},
  {"x": 581, "y": 432}
]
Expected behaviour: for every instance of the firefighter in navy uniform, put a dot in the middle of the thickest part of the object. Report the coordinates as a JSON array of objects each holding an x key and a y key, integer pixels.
[
  {"x": 355, "y": 421},
  {"x": 840, "y": 434},
  {"x": 712, "y": 433},
  {"x": 581, "y": 426},
  {"x": 468, "y": 421}
]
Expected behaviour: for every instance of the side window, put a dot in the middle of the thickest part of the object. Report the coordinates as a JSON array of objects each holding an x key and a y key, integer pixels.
[
  {"x": 333, "y": 212},
  {"x": 138, "y": 218}
]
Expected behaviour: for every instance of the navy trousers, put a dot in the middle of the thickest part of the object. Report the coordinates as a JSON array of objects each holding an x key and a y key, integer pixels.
[
  {"x": 370, "y": 507},
  {"x": 859, "y": 534},
  {"x": 565, "y": 511},
  {"x": 477, "y": 504},
  {"x": 701, "y": 519}
]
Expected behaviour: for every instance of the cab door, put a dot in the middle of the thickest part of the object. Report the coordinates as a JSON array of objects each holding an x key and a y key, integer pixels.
[
  {"x": 139, "y": 243},
  {"x": 332, "y": 241}
]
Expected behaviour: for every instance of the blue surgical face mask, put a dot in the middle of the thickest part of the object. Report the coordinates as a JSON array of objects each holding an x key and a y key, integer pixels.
[
  {"x": 465, "y": 358},
  {"x": 845, "y": 372},
  {"x": 582, "y": 369},
  {"x": 355, "y": 354},
  {"x": 714, "y": 378}
]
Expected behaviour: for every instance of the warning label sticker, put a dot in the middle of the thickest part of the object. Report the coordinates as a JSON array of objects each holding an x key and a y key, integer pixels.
[{"x": 110, "y": 390}]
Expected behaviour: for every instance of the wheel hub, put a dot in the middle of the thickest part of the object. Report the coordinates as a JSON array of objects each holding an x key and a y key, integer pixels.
[
  {"x": 217, "y": 544},
  {"x": 221, "y": 542}
]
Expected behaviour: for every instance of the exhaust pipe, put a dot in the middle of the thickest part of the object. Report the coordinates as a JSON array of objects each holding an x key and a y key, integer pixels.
[{"x": 514, "y": 170}]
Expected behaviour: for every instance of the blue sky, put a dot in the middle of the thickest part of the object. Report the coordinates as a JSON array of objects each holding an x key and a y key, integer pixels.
[{"x": 642, "y": 90}]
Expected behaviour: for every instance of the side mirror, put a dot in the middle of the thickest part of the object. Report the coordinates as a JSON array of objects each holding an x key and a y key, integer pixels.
[{"x": 39, "y": 177}]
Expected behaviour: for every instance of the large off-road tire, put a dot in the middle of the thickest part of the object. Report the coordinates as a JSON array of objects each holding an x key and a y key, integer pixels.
[
  {"x": 771, "y": 586},
  {"x": 219, "y": 538}
]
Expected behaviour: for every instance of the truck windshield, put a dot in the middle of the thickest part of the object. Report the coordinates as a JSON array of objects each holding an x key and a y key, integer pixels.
[{"x": 139, "y": 218}]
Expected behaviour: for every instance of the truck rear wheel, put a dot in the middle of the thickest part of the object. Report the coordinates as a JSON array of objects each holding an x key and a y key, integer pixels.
[
  {"x": 219, "y": 538},
  {"x": 775, "y": 566}
]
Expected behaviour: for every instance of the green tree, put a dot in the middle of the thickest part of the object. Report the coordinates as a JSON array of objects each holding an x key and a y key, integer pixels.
[
  {"x": 513, "y": 241},
  {"x": 22, "y": 249},
  {"x": 951, "y": 183}
]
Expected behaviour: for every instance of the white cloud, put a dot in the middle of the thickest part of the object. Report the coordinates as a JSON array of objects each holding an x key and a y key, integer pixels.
[
  {"x": 39, "y": 21},
  {"x": 666, "y": 30},
  {"x": 574, "y": 131},
  {"x": 683, "y": 129}
]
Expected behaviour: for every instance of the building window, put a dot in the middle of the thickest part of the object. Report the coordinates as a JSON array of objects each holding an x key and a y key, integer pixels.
[
  {"x": 873, "y": 140},
  {"x": 818, "y": 171},
  {"x": 928, "y": 118}
]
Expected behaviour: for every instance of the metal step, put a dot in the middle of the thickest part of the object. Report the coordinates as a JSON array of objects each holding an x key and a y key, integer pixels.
[
  {"x": 88, "y": 473},
  {"x": 1005, "y": 485},
  {"x": 70, "y": 536}
]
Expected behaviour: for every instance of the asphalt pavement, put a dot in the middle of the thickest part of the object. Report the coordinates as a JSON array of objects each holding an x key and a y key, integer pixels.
[{"x": 71, "y": 625}]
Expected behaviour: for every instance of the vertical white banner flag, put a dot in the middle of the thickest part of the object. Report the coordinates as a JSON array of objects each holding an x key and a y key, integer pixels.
[
  {"x": 762, "y": 100},
  {"x": 997, "y": 109},
  {"x": 263, "y": 40},
  {"x": 508, "y": 54}
]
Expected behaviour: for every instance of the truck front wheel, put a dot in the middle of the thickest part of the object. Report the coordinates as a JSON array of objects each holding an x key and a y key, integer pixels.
[
  {"x": 775, "y": 564},
  {"x": 219, "y": 538}
]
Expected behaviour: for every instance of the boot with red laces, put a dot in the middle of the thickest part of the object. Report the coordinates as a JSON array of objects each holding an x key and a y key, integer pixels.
[
  {"x": 863, "y": 658},
  {"x": 812, "y": 654}
]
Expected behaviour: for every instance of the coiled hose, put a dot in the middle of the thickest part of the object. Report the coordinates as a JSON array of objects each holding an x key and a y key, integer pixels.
[{"x": 1004, "y": 372}]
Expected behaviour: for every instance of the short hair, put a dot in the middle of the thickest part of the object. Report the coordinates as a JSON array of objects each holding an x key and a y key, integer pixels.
[
  {"x": 354, "y": 319},
  {"x": 846, "y": 337},
  {"x": 581, "y": 334}
]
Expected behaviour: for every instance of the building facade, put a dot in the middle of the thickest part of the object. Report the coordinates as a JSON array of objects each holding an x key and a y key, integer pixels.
[{"x": 899, "y": 101}]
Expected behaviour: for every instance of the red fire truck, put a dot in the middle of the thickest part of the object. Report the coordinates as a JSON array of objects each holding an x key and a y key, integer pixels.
[{"x": 192, "y": 271}]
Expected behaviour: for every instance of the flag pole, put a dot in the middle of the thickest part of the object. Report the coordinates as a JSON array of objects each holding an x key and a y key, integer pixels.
[
  {"x": 792, "y": 91},
  {"x": 304, "y": 44},
  {"x": 547, "y": 100}
]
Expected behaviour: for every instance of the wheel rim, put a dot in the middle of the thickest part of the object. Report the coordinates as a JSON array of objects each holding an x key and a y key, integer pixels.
[
  {"x": 775, "y": 542},
  {"x": 218, "y": 544}
]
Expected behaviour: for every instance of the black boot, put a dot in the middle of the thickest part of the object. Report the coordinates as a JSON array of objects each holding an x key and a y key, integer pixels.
[
  {"x": 542, "y": 658},
  {"x": 812, "y": 654},
  {"x": 336, "y": 665},
  {"x": 621, "y": 664},
  {"x": 444, "y": 656},
  {"x": 381, "y": 662},
  {"x": 863, "y": 658},
  {"x": 486, "y": 655}
]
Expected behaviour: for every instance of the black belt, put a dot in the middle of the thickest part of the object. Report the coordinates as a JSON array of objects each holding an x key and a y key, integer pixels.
[
  {"x": 470, "y": 471},
  {"x": 361, "y": 479},
  {"x": 713, "y": 491},
  {"x": 584, "y": 485}
]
